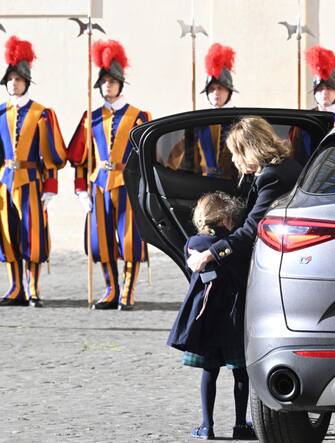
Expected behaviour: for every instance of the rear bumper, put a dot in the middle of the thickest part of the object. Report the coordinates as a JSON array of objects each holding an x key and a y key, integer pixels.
[{"x": 312, "y": 385}]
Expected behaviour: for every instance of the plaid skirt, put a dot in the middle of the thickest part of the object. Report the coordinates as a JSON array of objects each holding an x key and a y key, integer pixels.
[{"x": 231, "y": 357}]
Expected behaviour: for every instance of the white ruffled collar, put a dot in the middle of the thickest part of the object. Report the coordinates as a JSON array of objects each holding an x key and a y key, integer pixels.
[
  {"x": 331, "y": 108},
  {"x": 230, "y": 104},
  {"x": 117, "y": 105},
  {"x": 19, "y": 101}
]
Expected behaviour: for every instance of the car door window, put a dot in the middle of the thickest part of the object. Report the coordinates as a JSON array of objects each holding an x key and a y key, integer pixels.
[
  {"x": 199, "y": 150},
  {"x": 202, "y": 150},
  {"x": 320, "y": 177}
]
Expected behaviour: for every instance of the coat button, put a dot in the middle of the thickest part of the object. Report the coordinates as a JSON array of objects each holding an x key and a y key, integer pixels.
[{"x": 224, "y": 253}]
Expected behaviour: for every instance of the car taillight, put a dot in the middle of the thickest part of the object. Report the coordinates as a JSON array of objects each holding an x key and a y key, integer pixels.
[
  {"x": 315, "y": 354},
  {"x": 291, "y": 234}
]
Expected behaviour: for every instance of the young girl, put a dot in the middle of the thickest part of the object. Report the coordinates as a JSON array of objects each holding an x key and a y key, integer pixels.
[{"x": 209, "y": 325}]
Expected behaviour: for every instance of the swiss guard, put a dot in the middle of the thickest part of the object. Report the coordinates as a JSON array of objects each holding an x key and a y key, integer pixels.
[
  {"x": 219, "y": 63},
  {"x": 32, "y": 150},
  {"x": 211, "y": 157},
  {"x": 114, "y": 233},
  {"x": 321, "y": 62}
]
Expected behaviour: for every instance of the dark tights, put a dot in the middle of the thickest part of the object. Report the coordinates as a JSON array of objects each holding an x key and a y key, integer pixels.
[{"x": 208, "y": 393}]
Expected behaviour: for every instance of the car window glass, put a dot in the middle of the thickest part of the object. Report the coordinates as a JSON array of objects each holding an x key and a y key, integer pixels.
[
  {"x": 202, "y": 150},
  {"x": 320, "y": 178}
]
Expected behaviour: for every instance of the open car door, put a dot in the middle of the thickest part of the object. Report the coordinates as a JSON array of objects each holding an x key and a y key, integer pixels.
[{"x": 163, "y": 181}]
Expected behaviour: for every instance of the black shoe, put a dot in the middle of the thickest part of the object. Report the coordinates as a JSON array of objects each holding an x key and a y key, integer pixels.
[
  {"x": 244, "y": 432},
  {"x": 36, "y": 303},
  {"x": 125, "y": 307},
  {"x": 106, "y": 305},
  {"x": 203, "y": 433},
  {"x": 18, "y": 301}
]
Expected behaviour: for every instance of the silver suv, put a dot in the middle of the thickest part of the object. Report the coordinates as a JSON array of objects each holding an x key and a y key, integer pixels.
[{"x": 290, "y": 310}]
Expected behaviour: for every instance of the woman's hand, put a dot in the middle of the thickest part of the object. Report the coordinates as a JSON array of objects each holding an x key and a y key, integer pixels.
[{"x": 197, "y": 261}]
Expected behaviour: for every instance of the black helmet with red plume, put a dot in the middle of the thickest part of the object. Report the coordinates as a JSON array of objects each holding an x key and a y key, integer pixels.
[
  {"x": 219, "y": 63},
  {"x": 111, "y": 58},
  {"x": 19, "y": 55},
  {"x": 322, "y": 64}
]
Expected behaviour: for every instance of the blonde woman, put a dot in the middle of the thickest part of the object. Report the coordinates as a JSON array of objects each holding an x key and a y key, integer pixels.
[{"x": 256, "y": 149}]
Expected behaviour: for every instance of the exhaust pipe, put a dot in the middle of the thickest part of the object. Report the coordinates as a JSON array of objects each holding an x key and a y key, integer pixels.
[{"x": 284, "y": 384}]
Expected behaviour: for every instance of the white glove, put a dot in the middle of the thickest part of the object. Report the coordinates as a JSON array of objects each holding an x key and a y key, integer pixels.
[
  {"x": 85, "y": 201},
  {"x": 46, "y": 199}
]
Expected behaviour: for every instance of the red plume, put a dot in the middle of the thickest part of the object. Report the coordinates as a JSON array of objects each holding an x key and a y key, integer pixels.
[
  {"x": 17, "y": 50},
  {"x": 104, "y": 52},
  {"x": 321, "y": 61},
  {"x": 217, "y": 58}
]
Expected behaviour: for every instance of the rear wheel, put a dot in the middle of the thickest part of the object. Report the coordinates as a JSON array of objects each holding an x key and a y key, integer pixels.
[{"x": 287, "y": 427}]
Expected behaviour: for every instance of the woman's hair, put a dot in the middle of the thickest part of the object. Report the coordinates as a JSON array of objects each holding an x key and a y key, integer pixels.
[
  {"x": 254, "y": 141},
  {"x": 217, "y": 208}
]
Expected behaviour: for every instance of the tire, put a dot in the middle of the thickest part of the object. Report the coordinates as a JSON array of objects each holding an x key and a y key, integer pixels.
[{"x": 287, "y": 427}]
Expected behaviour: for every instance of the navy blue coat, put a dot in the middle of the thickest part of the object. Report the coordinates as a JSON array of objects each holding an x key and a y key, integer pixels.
[
  {"x": 274, "y": 181},
  {"x": 221, "y": 323}
]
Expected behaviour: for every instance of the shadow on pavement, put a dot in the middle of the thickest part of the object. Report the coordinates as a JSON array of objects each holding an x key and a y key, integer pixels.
[
  {"x": 74, "y": 328},
  {"x": 139, "y": 306}
]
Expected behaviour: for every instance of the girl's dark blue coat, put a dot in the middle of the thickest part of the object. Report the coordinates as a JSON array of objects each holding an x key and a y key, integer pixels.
[{"x": 221, "y": 323}]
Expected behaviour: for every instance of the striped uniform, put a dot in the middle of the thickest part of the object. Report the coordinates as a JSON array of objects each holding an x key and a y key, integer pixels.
[
  {"x": 29, "y": 135},
  {"x": 302, "y": 143},
  {"x": 114, "y": 233},
  {"x": 210, "y": 156}
]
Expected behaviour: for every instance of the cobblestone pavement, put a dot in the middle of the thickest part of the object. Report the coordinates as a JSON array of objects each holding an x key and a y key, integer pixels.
[{"x": 68, "y": 374}]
